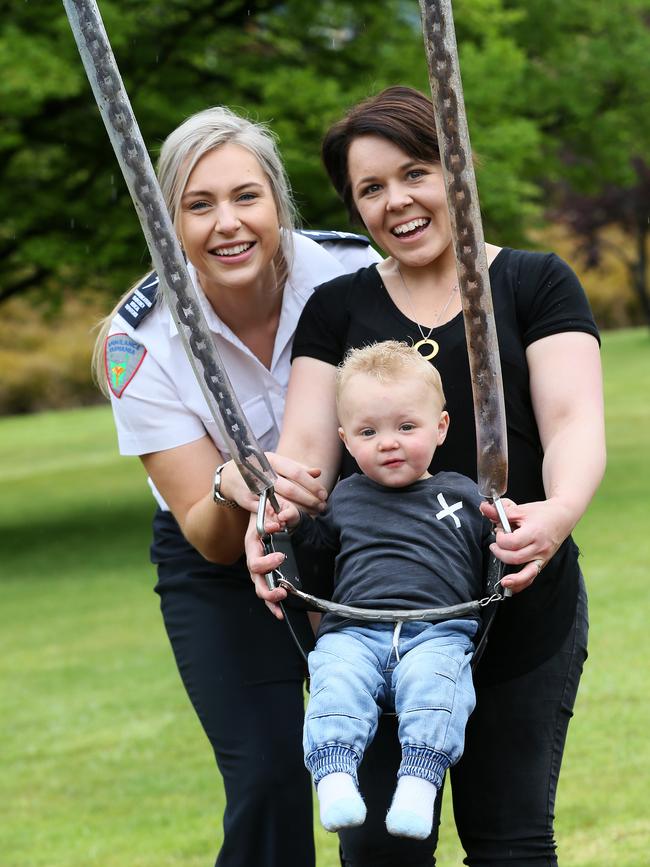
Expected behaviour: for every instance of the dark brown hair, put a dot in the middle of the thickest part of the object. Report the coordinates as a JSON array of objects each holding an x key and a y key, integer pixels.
[{"x": 402, "y": 115}]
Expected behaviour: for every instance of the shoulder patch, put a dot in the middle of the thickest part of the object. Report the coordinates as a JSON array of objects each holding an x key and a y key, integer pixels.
[
  {"x": 122, "y": 357},
  {"x": 140, "y": 302},
  {"x": 321, "y": 236}
]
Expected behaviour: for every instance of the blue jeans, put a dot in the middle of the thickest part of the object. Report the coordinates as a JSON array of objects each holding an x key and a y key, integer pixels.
[
  {"x": 503, "y": 787},
  {"x": 421, "y": 671}
]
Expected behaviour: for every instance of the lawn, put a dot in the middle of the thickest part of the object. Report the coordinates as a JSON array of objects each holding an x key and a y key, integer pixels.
[{"x": 103, "y": 761}]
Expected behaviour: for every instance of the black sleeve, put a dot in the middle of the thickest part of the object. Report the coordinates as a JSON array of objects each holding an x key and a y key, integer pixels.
[
  {"x": 550, "y": 299},
  {"x": 323, "y": 325},
  {"x": 319, "y": 533}
]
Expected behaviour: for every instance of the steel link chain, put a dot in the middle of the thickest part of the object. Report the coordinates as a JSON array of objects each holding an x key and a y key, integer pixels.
[
  {"x": 133, "y": 155},
  {"x": 472, "y": 284}
]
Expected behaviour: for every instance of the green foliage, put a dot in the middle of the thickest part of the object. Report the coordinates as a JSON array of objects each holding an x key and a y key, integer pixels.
[
  {"x": 554, "y": 88},
  {"x": 75, "y": 224},
  {"x": 104, "y": 762},
  {"x": 586, "y": 86},
  {"x": 45, "y": 358},
  {"x": 67, "y": 217},
  {"x": 587, "y": 92}
]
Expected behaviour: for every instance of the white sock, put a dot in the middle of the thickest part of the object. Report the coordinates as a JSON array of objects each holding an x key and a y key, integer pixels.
[
  {"x": 341, "y": 805},
  {"x": 411, "y": 813}
]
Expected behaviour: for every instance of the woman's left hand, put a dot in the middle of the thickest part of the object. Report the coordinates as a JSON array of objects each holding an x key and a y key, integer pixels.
[
  {"x": 538, "y": 530},
  {"x": 259, "y": 564}
]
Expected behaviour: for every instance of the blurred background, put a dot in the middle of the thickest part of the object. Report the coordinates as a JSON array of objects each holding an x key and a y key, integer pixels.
[
  {"x": 103, "y": 759},
  {"x": 558, "y": 102}
]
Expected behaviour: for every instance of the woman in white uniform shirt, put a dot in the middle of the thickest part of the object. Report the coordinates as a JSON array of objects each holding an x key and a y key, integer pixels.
[{"x": 229, "y": 199}]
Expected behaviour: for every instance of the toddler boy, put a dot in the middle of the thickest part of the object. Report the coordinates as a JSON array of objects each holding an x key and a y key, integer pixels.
[{"x": 403, "y": 539}]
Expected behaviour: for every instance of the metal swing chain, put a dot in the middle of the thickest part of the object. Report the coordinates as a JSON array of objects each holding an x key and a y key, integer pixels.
[
  {"x": 471, "y": 258},
  {"x": 127, "y": 141},
  {"x": 467, "y": 230}
]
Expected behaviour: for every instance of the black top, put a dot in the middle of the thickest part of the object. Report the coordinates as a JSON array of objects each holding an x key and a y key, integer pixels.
[
  {"x": 534, "y": 295},
  {"x": 421, "y": 546}
]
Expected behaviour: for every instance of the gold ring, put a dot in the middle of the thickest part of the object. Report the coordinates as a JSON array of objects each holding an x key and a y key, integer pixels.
[{"x": 540, "y": 566}]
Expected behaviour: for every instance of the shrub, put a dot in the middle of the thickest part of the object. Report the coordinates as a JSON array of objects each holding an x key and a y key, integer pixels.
[{"x": 45, "y": 356}]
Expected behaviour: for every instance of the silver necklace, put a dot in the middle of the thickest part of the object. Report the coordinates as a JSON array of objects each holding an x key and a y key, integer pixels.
[{"x": 430, "y": 346}]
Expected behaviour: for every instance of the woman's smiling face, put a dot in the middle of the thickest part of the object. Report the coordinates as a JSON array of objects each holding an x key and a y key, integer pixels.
[
  {"x": 229, "y": 223},
  {"x": 401, "y": 200}
]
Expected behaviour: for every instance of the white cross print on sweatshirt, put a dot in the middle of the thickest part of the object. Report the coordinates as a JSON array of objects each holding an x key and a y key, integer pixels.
[{"x": 448, "y": 511}]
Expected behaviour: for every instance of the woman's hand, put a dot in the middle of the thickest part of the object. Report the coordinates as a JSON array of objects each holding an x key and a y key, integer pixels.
[
  {"x": 538, "y": 530},
  {"x": 294, "y": 482},
  {"x": 259, "y": 565}
]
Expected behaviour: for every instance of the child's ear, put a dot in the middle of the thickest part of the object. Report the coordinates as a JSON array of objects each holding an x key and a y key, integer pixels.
[
  {"x": 342, "y": 436},
  {"x": 443, "y": 427}
]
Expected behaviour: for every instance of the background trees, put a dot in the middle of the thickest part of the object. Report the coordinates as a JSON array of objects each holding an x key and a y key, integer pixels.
[
  {"x": 556, "y": 90},
  {"x": 66, "y": 218},
  {"x": 587, "y": 92}
]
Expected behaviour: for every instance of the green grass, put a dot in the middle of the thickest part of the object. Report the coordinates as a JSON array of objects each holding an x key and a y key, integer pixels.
[
  {"x": 103, "y": 761},
  {"x": 604, "y": 800}
]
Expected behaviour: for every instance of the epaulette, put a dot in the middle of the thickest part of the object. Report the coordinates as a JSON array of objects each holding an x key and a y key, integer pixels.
[
  {"x": 140, "y": 302},
  {"x": 321, "y": 236}
]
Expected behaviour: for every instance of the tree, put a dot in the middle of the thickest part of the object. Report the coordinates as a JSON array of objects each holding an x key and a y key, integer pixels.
[
  {"x": 67, "y": 220},
  {"x": 587, "y": 89},
  {"x": 625, "y": 207}
]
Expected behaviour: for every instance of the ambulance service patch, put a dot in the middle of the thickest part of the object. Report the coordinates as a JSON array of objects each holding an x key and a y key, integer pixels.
[{"x": 123, "y": 357}]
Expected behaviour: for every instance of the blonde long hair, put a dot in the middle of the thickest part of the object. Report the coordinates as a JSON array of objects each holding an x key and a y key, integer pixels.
[{"x": 179, "y": 154}]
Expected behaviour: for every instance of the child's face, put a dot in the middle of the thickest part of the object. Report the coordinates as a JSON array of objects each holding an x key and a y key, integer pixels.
[{"x": 392, "y": 429}]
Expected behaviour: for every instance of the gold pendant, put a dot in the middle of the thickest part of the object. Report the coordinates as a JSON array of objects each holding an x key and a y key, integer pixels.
[{"x": 432, "y": 348}]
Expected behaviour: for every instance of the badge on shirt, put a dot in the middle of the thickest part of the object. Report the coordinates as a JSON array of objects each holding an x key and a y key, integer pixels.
[{"x": 123, "y": 358}]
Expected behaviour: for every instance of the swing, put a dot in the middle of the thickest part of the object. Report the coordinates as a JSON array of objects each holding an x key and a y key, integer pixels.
[
  {"x": 480, "y": 328},
  {"x": 298, "y": 602},
  {"x": 184, "y": 304}
]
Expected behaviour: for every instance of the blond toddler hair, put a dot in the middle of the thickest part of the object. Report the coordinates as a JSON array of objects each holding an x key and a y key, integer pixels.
[{"x": 387, "y": 361}]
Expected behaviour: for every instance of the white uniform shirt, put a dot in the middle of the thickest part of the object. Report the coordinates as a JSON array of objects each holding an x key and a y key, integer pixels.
[{"x": 163, "y": 407}]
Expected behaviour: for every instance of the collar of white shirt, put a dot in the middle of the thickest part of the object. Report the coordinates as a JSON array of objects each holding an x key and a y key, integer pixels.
[{"x": 310, "y": 266}]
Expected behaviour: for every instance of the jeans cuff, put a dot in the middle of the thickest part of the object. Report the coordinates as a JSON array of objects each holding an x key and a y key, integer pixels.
[
  {"x": 332, "y": 759},
  {"x": 424, "y": 762}
]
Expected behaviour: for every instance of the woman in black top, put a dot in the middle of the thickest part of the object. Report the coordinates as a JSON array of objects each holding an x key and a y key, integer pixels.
[{"x": 384, "y": 161}]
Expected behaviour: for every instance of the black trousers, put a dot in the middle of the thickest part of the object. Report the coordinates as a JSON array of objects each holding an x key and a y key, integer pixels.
[
  {"x": 245, "y": 680},
  {"x": 504, "y": 786}
]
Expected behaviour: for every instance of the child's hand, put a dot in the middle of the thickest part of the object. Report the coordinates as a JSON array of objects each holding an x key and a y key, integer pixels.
[{"x": 286, "y": 519}]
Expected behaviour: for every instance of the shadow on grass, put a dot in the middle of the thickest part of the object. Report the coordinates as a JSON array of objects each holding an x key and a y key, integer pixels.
[{"x": 87, "y": 540}]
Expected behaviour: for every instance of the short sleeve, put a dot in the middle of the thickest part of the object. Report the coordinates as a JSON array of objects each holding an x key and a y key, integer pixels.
[
  {"x": 150, "y": 416},
  {"x": 323, "y": 325},
  {"x": 551, "y": 300}
]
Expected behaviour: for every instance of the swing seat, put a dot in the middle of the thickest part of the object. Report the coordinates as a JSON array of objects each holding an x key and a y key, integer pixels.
[{"x": 298, "y": 602}]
